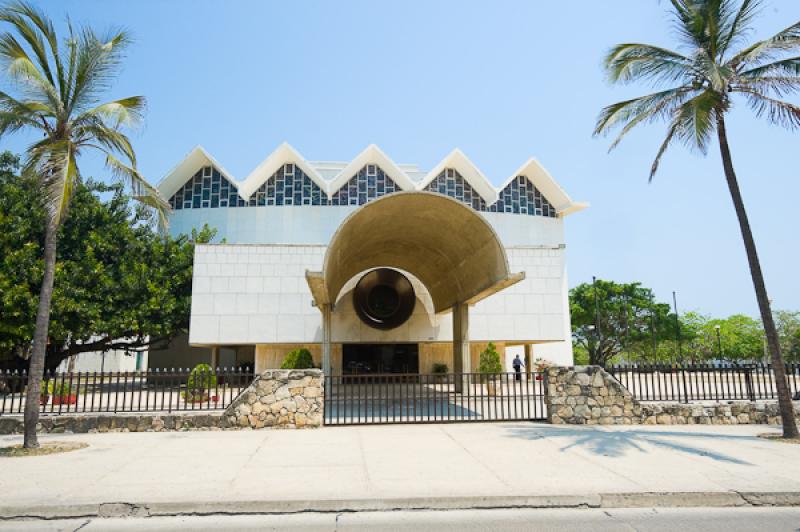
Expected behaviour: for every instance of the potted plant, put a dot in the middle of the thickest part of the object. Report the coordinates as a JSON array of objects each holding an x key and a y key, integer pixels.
[
  {"x": 201, "y": 379},
  {"x": 63, "y": 394},
  {"x": 541, "y": 367},
  {"x": 490, "y": 367},
  {"x": 439, "y": 371},
  {"x": 44, "y": 392}
]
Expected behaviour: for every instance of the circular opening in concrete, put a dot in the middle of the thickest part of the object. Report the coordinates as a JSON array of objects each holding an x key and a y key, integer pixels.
[
  {"x": 384, "y": 298},
  {"x": 383, "y": 301}
]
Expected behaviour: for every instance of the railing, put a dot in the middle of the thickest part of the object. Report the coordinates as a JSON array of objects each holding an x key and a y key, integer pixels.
[
  {"x": 151, "y": 391},
  {"x": 704, "y": 382},
  {"x": 433, "y": 398}
]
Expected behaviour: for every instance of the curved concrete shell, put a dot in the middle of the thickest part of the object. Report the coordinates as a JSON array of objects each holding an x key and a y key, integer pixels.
[{"x": 451, "y": 248}]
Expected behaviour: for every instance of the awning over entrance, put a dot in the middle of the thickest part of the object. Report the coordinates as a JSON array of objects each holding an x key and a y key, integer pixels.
[{"x": 448, "y": 246}]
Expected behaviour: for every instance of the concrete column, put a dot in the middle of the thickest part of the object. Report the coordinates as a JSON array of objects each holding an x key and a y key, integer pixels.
[
  {"x": 215, "y": 357},
  {"x": 462, "y": 362},
  {"x": 528, "y": 351},
  {"x": 326, "y": 339}
]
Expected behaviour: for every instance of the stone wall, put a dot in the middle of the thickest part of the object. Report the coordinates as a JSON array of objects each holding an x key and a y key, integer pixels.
[
  {"x": 92, "y": 423},
  {"x": 276, "y": 398},
  {"x": 280, "y": 398},
  {"x": 588, "y": 395},
  {"x": 714, "y": 413}
]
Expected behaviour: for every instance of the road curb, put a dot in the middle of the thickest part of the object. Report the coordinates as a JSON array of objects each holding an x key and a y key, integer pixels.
[{"x": 725, "y": 499}]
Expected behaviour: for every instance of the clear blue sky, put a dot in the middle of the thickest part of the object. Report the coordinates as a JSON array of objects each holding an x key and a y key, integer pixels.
[{"x": 503, "y": 81}]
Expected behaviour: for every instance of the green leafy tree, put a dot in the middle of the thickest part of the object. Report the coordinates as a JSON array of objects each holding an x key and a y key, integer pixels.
[
  {"x": 610, "y": 320},
  {"x": 118, "y": 284},
  {"x": 59, "y": 88},
  {"x": 737, "y": 338},
  {"x": 701, "y": 83},
  {"x": 788, "y": 324}
]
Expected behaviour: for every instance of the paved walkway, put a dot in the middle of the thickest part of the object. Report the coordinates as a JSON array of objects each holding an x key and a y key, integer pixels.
[{"x": 496, "y": 461}]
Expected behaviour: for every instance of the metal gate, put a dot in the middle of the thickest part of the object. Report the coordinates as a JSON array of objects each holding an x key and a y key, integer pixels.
[{"x": 433, "y": 398}]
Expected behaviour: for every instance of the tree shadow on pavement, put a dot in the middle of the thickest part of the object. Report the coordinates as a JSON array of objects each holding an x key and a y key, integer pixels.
[{"x": 617, "y": 443}]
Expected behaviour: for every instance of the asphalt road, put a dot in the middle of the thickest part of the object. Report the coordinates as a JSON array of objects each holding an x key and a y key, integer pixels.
[{"x": 645, "y": 519}]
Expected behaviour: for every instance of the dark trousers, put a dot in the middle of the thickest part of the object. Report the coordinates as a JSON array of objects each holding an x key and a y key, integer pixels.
[{"x": 518, "y": 371}]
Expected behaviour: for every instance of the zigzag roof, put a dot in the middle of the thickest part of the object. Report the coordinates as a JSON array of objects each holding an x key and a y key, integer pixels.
[
  {"x": 286, "y": 154},
  {"x": 194, "y": 161}
]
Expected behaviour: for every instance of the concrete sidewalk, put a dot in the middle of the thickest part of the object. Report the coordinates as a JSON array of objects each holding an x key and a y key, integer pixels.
[{"x": 412, "y": 466}]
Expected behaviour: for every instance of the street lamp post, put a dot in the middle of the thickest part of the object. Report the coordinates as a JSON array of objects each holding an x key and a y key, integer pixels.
[
  {"x": 719, "y": 342},
  {"x": 596, "y": 313},
  {"x": 592, "y": 331},
  {"x": 653, "y": 334},
  {"x": 677, "y": 326}
]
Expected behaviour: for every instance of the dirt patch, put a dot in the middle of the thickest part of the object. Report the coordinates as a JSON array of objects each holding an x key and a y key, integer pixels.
[
  {"x": 774, "y": 436},
  {"x": 51, "y": 447}
]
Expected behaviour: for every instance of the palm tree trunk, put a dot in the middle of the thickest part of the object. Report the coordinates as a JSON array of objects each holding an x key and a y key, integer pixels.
[
  {"x": 784, "y": 397},
  {"x": 36, "y": 368}
]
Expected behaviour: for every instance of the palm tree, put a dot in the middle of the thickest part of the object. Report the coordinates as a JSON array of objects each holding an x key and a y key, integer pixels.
[
  {"x": 700, "y": 89},
  {"x": 59, "y": 86}
]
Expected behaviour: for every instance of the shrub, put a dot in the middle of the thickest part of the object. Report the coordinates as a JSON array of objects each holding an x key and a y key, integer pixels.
[
  {"x": 440, "y": 368},
  {"x": 62, "y": 390},
  {"x": 201, "y": 379},
  {"x": 56, "y": 389},
  {"x": 490, "y": 360},
  {"x": 298, "y": 359}
]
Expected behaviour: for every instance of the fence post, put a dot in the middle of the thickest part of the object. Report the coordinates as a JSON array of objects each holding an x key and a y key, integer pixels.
[
  {"x": 748, "y": 380},
  {"x": 683, "y": 378}
]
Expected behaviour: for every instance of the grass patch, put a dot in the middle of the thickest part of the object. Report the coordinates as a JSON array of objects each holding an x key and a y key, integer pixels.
[
  {"x": 51, "y": 447},
  {"x": 776, "y": 436}
]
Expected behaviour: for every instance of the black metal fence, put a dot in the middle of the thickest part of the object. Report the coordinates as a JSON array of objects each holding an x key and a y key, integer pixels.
[
  {"x": 433, "y": 398},
  {"x": 700, "y": 382},
  {"x": 151, "y": 391}
]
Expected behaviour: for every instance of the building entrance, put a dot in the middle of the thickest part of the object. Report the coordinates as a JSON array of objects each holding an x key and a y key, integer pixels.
[{"x": 360, "y": 359}]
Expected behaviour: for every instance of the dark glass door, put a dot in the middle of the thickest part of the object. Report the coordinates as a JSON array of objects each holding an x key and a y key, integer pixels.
[{"x": 360, "y": 359}]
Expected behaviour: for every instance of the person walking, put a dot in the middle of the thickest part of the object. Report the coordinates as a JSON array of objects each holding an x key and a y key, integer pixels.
[{"x": 517, "y": 363}]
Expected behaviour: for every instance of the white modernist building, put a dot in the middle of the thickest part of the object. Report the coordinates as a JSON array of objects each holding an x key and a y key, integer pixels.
[{"x": 373, "y": 266}]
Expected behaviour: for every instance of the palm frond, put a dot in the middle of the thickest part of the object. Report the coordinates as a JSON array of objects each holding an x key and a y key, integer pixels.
[
  {"x": 693, "y": 123},
  {"x": 12, "y": 122},
  {"x": 97, "y": 63},
  {"x": 785, "y": 41},
  {"x": 141, "y": 189},
  {"x": 696, "y": 119},
  {"x": 634, "y": 61},
  {"x": 645, "y": 109},
  {"x": 28, "y": 109},
  {"x": 123, "y": 112},
  {"x": 736, "y": 28},
  {"x": 775, "y": 111},
  {"x": 789, "y": 66},
  {"x": 54, "y": 164},
  {"x": 662, "y": 149},
  {"x": 24, "y": 10},
  {"x": 691, "y": 23},
  {"x": 34, "y": 40},
  {"x": 19, "y": 67},
  {"x": 778, "y": 86}
]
